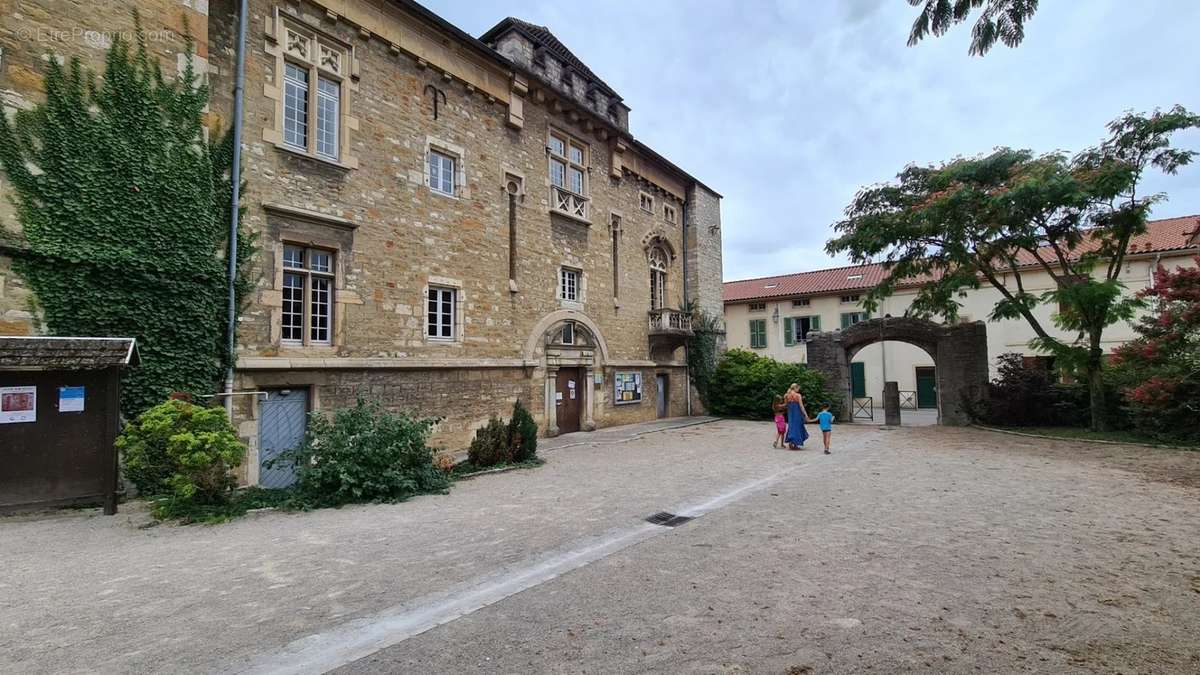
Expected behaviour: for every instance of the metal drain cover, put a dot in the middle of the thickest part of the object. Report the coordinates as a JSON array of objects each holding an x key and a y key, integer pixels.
[{"x": 667, "y": 519}]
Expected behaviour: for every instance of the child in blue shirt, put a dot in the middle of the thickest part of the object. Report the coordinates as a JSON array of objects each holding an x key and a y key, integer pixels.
[{"x": 825, "y": 419}]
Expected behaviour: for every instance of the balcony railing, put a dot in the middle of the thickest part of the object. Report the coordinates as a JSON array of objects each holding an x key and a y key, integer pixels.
[
  {"x": 670, "y": 321},
  {"x": 569, "y": 203}
]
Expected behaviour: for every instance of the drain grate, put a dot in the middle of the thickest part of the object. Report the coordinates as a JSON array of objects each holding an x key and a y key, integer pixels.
[{"x": 667, "y": 519}]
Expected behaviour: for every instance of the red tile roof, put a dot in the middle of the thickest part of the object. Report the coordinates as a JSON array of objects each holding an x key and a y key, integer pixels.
[{"x": 1169, "y": 234}]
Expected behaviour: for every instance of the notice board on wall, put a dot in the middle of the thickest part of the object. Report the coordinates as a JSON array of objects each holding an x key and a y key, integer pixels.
[{"x": 627, "y": 388}]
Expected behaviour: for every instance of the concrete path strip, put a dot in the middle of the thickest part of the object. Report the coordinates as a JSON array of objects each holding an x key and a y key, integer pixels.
[{"x": 357, "y": 639}]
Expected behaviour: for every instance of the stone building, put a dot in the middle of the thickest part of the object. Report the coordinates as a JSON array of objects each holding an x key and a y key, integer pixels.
[
  {"x": 774, "y": 316},
  {"x": 446, "y": 224}
]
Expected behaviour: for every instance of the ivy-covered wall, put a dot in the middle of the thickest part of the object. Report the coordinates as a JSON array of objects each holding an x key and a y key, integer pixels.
[{"x": 123, "y": 212}]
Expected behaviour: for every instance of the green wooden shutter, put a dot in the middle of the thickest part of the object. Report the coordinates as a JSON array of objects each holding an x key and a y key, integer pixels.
[
  {"x": 845, "y": 321},
  {"x": 815, "y": 323},
  {"x": 789, "y": 332},
  {"x": 858, "y": 380}
]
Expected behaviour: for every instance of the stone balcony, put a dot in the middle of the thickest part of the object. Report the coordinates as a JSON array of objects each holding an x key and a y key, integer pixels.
[{"x": 669, "y": 327}]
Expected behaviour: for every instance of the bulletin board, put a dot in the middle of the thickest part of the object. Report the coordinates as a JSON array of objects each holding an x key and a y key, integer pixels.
[{"x": 627, "y": 388}]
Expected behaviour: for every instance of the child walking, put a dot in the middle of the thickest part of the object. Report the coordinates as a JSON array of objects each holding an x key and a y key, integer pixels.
[
  {"x": 780, "y": 421},
  {"x": 825, "y": 419}
]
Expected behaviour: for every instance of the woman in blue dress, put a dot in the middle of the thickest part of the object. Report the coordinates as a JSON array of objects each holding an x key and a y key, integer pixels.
[{"x": 796, "y": 417}]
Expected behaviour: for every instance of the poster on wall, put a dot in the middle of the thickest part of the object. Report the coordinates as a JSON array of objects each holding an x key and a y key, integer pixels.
[
  {"x": 627, "y": 388},
  {"x": 70, "y": 399},
  {"x": 18, "y": 404}
]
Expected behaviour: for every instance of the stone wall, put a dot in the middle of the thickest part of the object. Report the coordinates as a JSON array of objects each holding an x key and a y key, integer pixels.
[
  {"x": 36, "y": 29},
  {"x": 960, "y": 356}
]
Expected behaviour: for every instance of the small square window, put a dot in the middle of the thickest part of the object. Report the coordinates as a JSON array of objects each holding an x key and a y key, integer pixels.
[
  {"x": 801, "y": 302},
  {"x": 668, "y": 213},
  {"x": 758, "y": 307},
  {"x": 568, "y": 333},
  {"x": 646, "y": 202},
  {"x": 850, "y": 299}
]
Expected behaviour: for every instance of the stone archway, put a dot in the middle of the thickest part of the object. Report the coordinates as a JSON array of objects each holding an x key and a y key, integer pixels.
[
  {"x": 959, "y": 353},
  {"x": 577, "y": 356}
]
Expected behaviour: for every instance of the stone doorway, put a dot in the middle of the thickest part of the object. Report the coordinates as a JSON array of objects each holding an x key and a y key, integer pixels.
[{"x": 959, "y": 353}]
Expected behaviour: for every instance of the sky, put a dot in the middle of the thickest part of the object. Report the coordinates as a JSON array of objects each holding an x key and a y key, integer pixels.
[{"x": 788, "y": 108}]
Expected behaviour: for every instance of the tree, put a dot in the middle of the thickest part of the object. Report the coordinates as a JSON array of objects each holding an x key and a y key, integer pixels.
[
  {"x": 124, "y": 212},
  {"x": 1160, "y": 369},
  {"x": 993, "y": 219},
  {"x": 1002, "y": 20}
]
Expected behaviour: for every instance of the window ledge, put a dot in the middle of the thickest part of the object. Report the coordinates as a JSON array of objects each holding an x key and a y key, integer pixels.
[
  {"x": 568, "y": 216},
  {"x": 310, "y": 215},
  {"x": 315, "y": 157}
]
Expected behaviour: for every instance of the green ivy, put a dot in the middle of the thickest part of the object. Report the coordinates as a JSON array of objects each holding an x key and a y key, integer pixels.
[
  {"x": 702, "y": 351},
  {"x": 124, "y": 210}
]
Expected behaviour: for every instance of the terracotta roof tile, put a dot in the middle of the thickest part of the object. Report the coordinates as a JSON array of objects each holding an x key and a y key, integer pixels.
[{"x": 1164, "y": 235}]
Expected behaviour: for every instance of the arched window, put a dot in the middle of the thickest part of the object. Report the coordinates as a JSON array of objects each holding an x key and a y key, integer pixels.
[{"x": 658, "y": 276}]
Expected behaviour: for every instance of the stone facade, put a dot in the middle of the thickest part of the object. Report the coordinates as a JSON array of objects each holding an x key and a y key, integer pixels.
[{"x": 498, "y": 240}]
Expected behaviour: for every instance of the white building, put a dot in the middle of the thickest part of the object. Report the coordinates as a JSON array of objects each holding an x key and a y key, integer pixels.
[{"x": 772, "y": 315}]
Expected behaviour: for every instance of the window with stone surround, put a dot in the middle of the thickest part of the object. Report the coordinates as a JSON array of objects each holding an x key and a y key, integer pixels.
[
  {"x": 312, "y": 84},
  {"x": 668, "y": 213},
  {"x": 646, "y": 202},
  {"x": 441, "y": 172},
  {"x": 615, "y": 227},
  {"x": 569, "y": 284},
  {"x": 308, "y": 296},
  {"x": 441, "y": 305},
  {"x": 568, "y": 158},
  {"x": 658, "y": 277}
]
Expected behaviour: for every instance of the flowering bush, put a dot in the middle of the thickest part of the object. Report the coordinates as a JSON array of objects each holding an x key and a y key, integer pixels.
[{"x": 1159, "y": 371}]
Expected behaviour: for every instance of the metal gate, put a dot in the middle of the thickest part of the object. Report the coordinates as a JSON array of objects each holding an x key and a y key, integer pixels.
[{"x": 281, "y": 428}]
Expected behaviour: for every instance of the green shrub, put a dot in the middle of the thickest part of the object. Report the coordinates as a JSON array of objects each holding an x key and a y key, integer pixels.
[
  {"x": 364, "y": 454},
  {"x": 522, "y": 434},
  {"x": 744, "y": 384},
  {"x": 181, "y": 452},
  {"x": 490, "y": 445}
]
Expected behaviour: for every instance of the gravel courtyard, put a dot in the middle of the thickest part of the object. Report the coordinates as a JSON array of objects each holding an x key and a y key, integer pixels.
[{"x": 914, "y": 550}]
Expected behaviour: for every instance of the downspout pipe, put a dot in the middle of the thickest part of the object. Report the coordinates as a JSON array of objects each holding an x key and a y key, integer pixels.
[
  {"x": 687, "y": 362},
  {"x": 235, "y": 203}
]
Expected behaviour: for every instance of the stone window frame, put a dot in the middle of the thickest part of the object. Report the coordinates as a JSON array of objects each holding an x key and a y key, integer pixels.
[
  {"x": 458, "y": 328},
  {"x": 569, "y": 203},
  {"x": 453, "y": 151},
  {"x": 615, "y": 219},
  {"x": 288, "y": 237},
  {"x": 327, "y": 57},
  {"x": 563, "y": 270},
  {"x": 669, "y": 214},
  {"x": 658, "y": 260},
  {"x": 646, "y": 201},
  {"x": 308, "y": 273}
]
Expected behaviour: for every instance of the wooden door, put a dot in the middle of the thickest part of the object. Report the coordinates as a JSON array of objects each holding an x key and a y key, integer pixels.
[
  {"x": 858, "y": 380},
  {"x": 926, "y": 387},
  {"x": 568, "y": 404}
]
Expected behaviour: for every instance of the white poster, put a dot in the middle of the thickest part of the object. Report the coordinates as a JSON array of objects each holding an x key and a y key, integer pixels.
[
  {"x": 18, "y": 404},
  {"x": 70, "y": 399}
]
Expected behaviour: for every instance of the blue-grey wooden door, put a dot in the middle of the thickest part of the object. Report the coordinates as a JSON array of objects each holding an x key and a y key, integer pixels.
[{"x": 280, "y": 428}]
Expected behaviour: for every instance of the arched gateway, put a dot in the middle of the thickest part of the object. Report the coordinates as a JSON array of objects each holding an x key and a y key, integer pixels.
[{"x": 959, "y": 352}]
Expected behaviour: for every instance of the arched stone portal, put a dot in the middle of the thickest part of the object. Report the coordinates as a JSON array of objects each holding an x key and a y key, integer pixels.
[{"x": 959, "y": 353}]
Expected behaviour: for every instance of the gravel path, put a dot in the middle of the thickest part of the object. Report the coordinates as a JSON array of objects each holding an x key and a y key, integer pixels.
[{"x": 922, "y": 550}]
